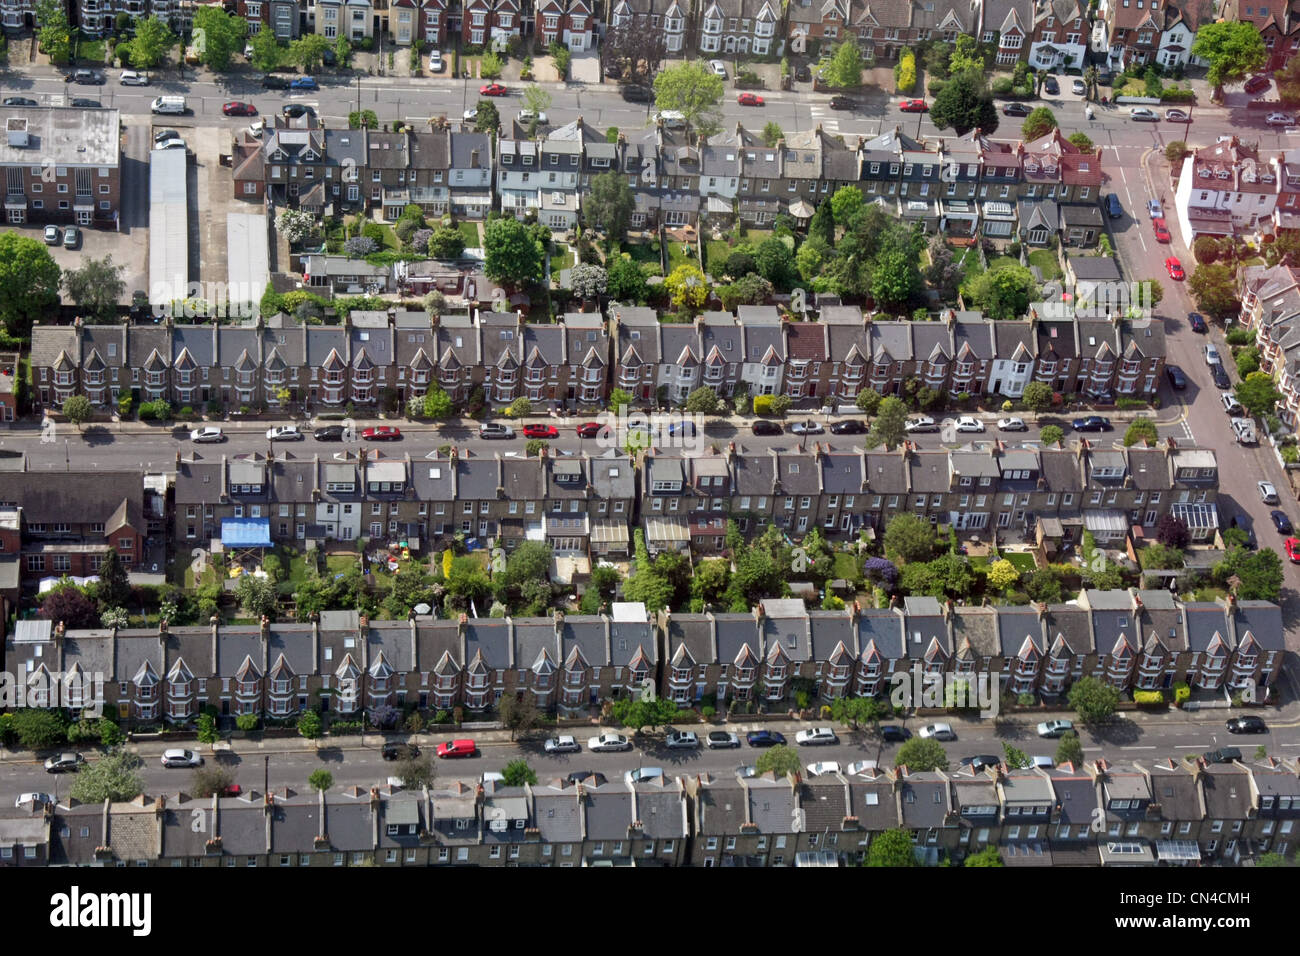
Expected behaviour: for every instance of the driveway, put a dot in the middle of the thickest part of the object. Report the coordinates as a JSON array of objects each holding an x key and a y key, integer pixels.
[{"x": 585, "y": 67}]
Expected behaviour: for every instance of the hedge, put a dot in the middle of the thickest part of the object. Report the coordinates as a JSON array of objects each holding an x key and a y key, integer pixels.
[
  {"x": 905, "y": 72},
  {"x": 763, "y": 404},
  {"x": 1148, "y": 697},
  {"x": 1182, "y": 694}
]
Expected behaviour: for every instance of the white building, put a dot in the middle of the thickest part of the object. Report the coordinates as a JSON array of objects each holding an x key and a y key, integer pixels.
[{"x": 1225, "y": 189}]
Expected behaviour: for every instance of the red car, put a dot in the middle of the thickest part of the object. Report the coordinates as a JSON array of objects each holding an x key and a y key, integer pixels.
[
  {"x": 239, "y": 109},
  {"x": 457, "y": 748},
  {"x": 381, "y": 433},
  {"x": 233, "y": 790},
  {"x": 1293, "y": 549},
  {"x": 492, "y": 89},
  {"x": 913, "y": 106},
  {"x": 749, "y": 99},
  {"x": 1162, "y": 231},
  {"x": 541, "y": 431},
  {"x": 589, "y": 430},
  {"x": 1174, "y": 268}
]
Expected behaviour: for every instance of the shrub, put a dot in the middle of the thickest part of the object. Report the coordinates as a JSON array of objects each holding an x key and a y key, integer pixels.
[
  {"x": 1238, "y": 336},
  {"x": 1182, "y": 694},
  {"x": 246, "y": 722},
  {"x": 763, "y": 404},
  {"x": 905, "y": 72},
  {"x": 1148, "y": 698},
  {"x": 1001, "y": 86}
]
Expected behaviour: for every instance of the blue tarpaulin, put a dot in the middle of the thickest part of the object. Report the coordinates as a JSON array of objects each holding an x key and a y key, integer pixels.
[{"x": 246, "y": 532}]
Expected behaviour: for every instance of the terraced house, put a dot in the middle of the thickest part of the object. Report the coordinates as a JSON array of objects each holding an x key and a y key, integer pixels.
[{"x": 1270, "y": 304}]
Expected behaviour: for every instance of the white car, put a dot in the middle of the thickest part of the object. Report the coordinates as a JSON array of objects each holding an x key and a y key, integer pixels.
[
  {"x": 1142, "y": 113},
  {"x": 749, "y": 770},
  {"x": 564, "y": 744},
  {"x": 526, "y": 116},
  {"x": 672, "y": 119},
  {"x": 1211, "y": 354},
  {"x": 1047, "y": 763},
  {"x": 1012, "y": 425},
  {"x": 284, "y": 433},
  {"x": 721, "y": 740},
  {"x": 938, "y": 732},
  {"x": 134, "y": 78},
  {"x": 806, "y": 428},
  {"x": 208, "y": 433},
  {"x": 171, "y": 142},
  {"x": 1230, "y": 404},
  {"x": 860, "y": 766},
  {"x": 642, "y": 774},
  {"x": 180, "y": 758},
  {"x": 968, "y": 424},
  {"x": 824, "y": 767},
  {"x": 718, "y": 68},
  {"x": 1267, "y": 493},
  {"x": 28, "y": 799},
  {"x": 471, "y": 114},
  {"x": 682, "y": 740},
  {"x": 435, "y": 62},
  {"x": 1177, "y": 116},
  {"x": 1154, "y": 210},
  {"x": 1280, "y": 119},
  {"x": 257, "y": 128},
  {"x": 606, "y": 742},
  {"x": 922, "y": 424},
  {"x": 816, "y": 737}
]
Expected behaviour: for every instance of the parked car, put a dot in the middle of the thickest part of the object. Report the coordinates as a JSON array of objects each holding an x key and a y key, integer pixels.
[
  {"x": 1230, "y": 404},
  {"x": 914, "y": 106},
  {"x": 806, "y": 428},
  {"x": 1177, "y": 116},
  {"x": 1174, "y": 268},
  {"x": 63, "y": 763},
  {"x": 173, "y": 142},
  {"x": 1143, "y": 115},
  {"x": 20, "y": 101},
  {"x": 1292, "y": 546},
  {"x": 1153, "y": 209},
  {"x": 284, "y": 433},
  {"x": 1280, "y": 119},
  {"x": 133, "y": 78},
  {"x": 1016, "y": 109},
  {"x": 749, "y": 99},
  {"x": 526, "y": 116},
  {"x": 843, "y": 103},
  {"x": 859, "y": 766},
  {"x": 850, "y": 426},
  {"x": 1197, "y": 322},
  {"x": 435, "y": 62},
  {"x": 682, "y": 740},
  {"x": 1078, "y": 88},
  {"x": 303, "y": 83},
  {"x": 765, "y": 428},
  {"x": 642, "y": 774},
  {"x": 589, "y": 430},
  {"x": 53, "y": 235},
  {"x": 1054, "y": 728},
  {"x": 541, "y": 431},
  {"x": 1051, "y": 87},
  {"x": 457, "y": 748},
  {"x": 1241, "y": 521},
  {"x": 816, "y": 736},
  {"x": 295, "y": 110},
  {"x": 208, "y": 433},
  {"x": 718, "y": 68},
  {"x": 968, "y": 424},
  {"x": 492, "y": 89},
  {"x": 721, "y": 740},
  {"x": 1113, "y": 207},
  {"x": 563, "y": 744},
  {"x": 178, "y": 757},
  {"x": 71, "y": 237},
  {"x": 328, "y": 433},
  {"x": 747, "y": 771},
  {"x": 1247, "y": 725},
  {"x": 1161, "y": 231},
  {"x": 87, "y": 104},
  {"x": 236, "y": 108},
  {"x": 382, "y": 433},
  {"x": 923, "y": 423},
  {"x": 1257, "y": 84},
  {"x": 684, "y": 429},
  {"x": 1219, "y": 376},
  {"x": 1091, "y": 423},
  {"x": 1211, "y": 354},
  {"x": 764, "y": 738},
  {"x": 32, "y": 798},
  {"x": 1012, "y": 424},
  {"x": 804, "y": 75},
  {"x": 1267, "y": 493},
  {"x": 1177, "y": 380},
  {"x": 1047, "y": 763},
  {"x": 609, "y": 742},
  {"x": 495, "y": 430},
  {"x": 1222, "y": 755},
  {"x": 592, "y": 778},
  {"x": 937, "y": 732},
  {"x": 892, "y": 733},
  {"x": 273, "y": 82},
  {"x": 638, "y": 94},
  {"x": 394, "y": 751},
  {"x": 980, "y": 761},
  {"x": 822, "y": 768},
  {"x": 1281, "y": 522}
]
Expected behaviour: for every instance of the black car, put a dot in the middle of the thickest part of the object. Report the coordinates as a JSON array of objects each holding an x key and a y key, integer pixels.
[
  {"x": 1247, "y": 725},
  {"x": 764, "y": 738},
  {"x": 1105, "y": 79},
  {"x": 842, "y": 103},
  {"x": 638, "y": 94},
  {"x": 892, "y": 733},
  {"x": 1092, "y": 423},
  {"x": 88, "y": 77},
  {"x": 803, "y": 74},
  {"x": 273, "y": 82},
  {"x": 294, "y": 110},
  {"x": 329, "y": 57},
  {"x": 850, "y": 427},
  {"x": 1051, "y": 87},
  {"x": 1281, "y": 522},
  {"x": 1243, "y": 523},
  {"x": 1197, "y": 322},
  {"x": 981, "y": 761},
  {"x": 1016, "y": 109},
  {"x": 1222, "y": 755},
  {"x": 399, "y": 751},
  {"x": 765, "y": 428},
  {"x": 20, "y": 101},
  {"x": 614, "y": 70},
  {"x": 87, "y": 104},
  {"x": 1177, "y": 380},
  {"x": 329, "y": 433},
  {"x": 1113, "y": 208},
  {"x": 1220, "y": 376},
  {"x": 591, "y": 778}
]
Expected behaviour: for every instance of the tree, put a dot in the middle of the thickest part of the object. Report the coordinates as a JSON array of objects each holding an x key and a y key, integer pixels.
[
  {"x": 687, "y": 287},
  {"x": 320, "y": 780},
  {"x": 618, "y": 398},
  {"x": 96, "y": 287},
  {"x": 310, "y": 725},
  {"x": 1171, "y": 531},
  {"x": 896, "y": 278},
  {"x": 295, "y": 225},
  {"x": 267, "y": 52},
  {"x": 893, "y": 848},
  {"x": 944, "y": 273},
  {"x": 775, "y": 262},
  {"x": 609, "y": 204},
  {"x": 1052, "y": 435},
  {"x": 705, "y": 401},
  {"x": 1003, "y": 575},
  {"x": 1260, "y": 573},
  {"x": 844, "y": 70},
  {"x": 69, "y": 604},
  {"x": 1014, "y": 757},
  {"x": 1038, "y": 124},
  {"x": 209, "y": 781},
  {"x": 1037, "y": 396},
  {"x": 868, "y": 400},
  {"x": 988, "y": 856},
  {"x": 1094, "y": 701},
  {"x": 29, "y": 283},
  {"x": 256, "y": 595},
  {"x": 1288, "y": 82},
  {"x": 781, "y": 760},
  {"x": 518, "y": 716},
  {"x": 308, "y": 51},
  {"x": 152, "y": 42},
  {"x": 437, "y": 403},
  {"x": 626, "y": 282},
  {"x": 822, "y": 224},
  {"x": 1233, "y": 50},
  {"x": 636, "y": 53},
  {"x": 486, "y": 117},
  {"x": 1003, "y": 292},
  {"x": 38, "y": 729},
  {"x": 1070, "y": 750},
  {"x": 845, "y": 203},
  {"x": 910, "y": 537},
  {"x": 920, "y": 754},
  {"x": 359, "y": 246},
  {"x": 690, "y": 89},
  {"x": 416, "y": 773},
  {"x": 852, "y": 711},
  {"x": 1082, "y": 141},
  {"x": 218, "y": 35},
  {"x": 772, "y": 134},
  {"x": 446, "y": 242},
  {"x": 468, "y": 582},
  {"x": 1215, "y": 289},
  {"x": 1176, "y": 152},
  {"x": 749, "y": 289},
  {"x": 536, "y": 100},
  {"x": 77, "y": 409},
  {"x": 739, "y": 263},
  {"x": 490, "y": 66},
  {"x": 588, "y": 281},
  {"x": 54, "y": 30},
  {"x": 1141, "y": 430},
  {"x": 1258, "y": 394},
  {"x": 964, "y": 104},
  {"x": 112, "y": 777},
  {"x": 514, "y": 254},
  {"x": 888, "y": 428}
]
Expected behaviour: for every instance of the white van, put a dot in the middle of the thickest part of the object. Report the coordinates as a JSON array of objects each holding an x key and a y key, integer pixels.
[
  {"x": 671, "y": 119},
  {"x": 169, "y": 104}
]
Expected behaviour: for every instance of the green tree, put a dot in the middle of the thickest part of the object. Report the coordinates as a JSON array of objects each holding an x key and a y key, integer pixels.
[
  {"x": 893, "y": 848},
  {"x": 845, "y": 204},
  {"x": 447, "y": 242},
  {"x": 267, "y": 52},
  {"x": 536, "y": 100},
  {"x": 1070, "y": 750},
  {"x": 1272, "y": 859},
  {"x": 896, "y": 278},
  {"x": 868, "y": 400},
  {"x": 687, "y": 287},
  {"x": 54, "y": 30},
  {"x": 29, "y": 283},
  {"x": 96, "y": 287},
  {"x": 710, "y": 580},
  {"x": 854, "y": 711},
  {"x": 1037, "y": 396},
  {"x": 320, "y": 780},
  {"x": 1003, "y": 292},
  {"x": 1038, "y": 124},
  {"x": 888, "y": 428},
  {"x": 988, "y": 856},
  {"x": 705, "y": 401},
  {"x": 749, "y": 289},
  {"x": 1014, "y": 757},
  {"x": 152, "y": 42},
  {"x": 114, "y": 583},
  {"x": 619, "y": 398},
  {"x": 256, "y": 595},
  {"x": 310, "y": 725},
  {"x": 1232, "y": 49},
  {"x": 626, "y": 282},
  {"x": 342, "y": 53},
  {"x": 211, "y": 780},
  {"x": 822, "y": 223},
  {"x": 113, "y": 777},
  {"x": 517, "y": 773},
  {"x": 964, "y": 104},
  {"x": 775, "y": 261},
  {"x": 781, "y": 760},
  {"x": 1051, "y": 435},
  {"x": 1003, "y": 575},
  {"x": 77, "y": 409},
  {"x": 609, "y": 204},
  {"x": 1214, "y": 287},
  {"x": 690, "y": 89},
  {"x": 514, "y": 254},
  {"x": 436, "y": 403},
  {"x": 1258, "y": 394},
  {"x": 844, "y": 70},
  {"x": 772, "y": 134},
  {"x": 218, "y": 35},
  {"x": 295, "y": 225},
  {"x": 518, "y": 716},
  {"x": 490, "y": 66},
  {"x": 486, "y": 117},
  {"x": 1093, "y": 700},
  {"x": 1081, "y": 140},
  {"x": 1260, "y": 573},
  {"x": 921, "y": 754},
  {"x": 468, "y": 582},
  {"x": 1140, "y": 430},
  {"x": 38, "y": 729},
  {"x": 207, "y": 729},
  {"x": 416, "y": 773}
]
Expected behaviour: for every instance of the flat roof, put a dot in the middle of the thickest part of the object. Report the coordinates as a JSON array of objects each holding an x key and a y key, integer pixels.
[
  {"x": 169, "y": 218},
  {"x": 246, "y": 256},
  {"x": 67, "y": 136}
]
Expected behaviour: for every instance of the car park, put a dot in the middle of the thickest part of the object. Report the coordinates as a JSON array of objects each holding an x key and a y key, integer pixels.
[
  {"x": 133, "y": 78},
  {"x": 924, "y": 423},
  {"x": 765, "y": 428},
  {"x": 1230, "y": 404},
  {"x": 913, "y": 106},
  {"x": 284, "y": 433},
  {"x": 1143, "y": 115},
  {"x": 681, "y": 740},
  {"x": 303, "y": 83},
  {"x": 1091, "y": 423},
  {"x": 397, "y": 751},
  {"x": 492, "y": 89},
  {"x": 1177, "y": 116},
  {"x": 968, "y": 424},
  {"x": 718, "y": 68},
  {"x": 1281, "y": 522},
  {"x": 328, "y": 433},
  {"x": 179, "y": 757},
  {"x": 53, "y": 235},
  {"x": 937, "y": 732},
  {"x": 1222, "y": 755},
  {"x": 1279, "y": 119},
  {"x": 1196, "y": 322},
  {"x": 1113, "y": 207},
  {"x": 541, "y": 431},
  {"x": 1161, "y": 231},
  {"x": 1292, "y": 547},
  {"x": 1247, "y": 725},
  {"x": 721, "y": 740},
  {"x": 71, "y": 237},
  {"x": 1012, "y": 424},
  {"x": 843, "y": 103},
  {"x": 1174, "y": 268},
  {"x": 806, "y": 428},
  {"x": 892, "y": 733},
  {"x": 608, "y": 742},
  {"x": 1211, "y": 354},
  {"x": 816, "y": 736},
  {"x": 63, "y": 763},
  {"x": 495, "y": 430},
  {"x": 1267, "y": 493},
  {"x": 1153, "y": 209},
  {"x": 822, "y": 768},
  {"x": 850, "y": 427},
  {"x": 208, "y": 433},
  {"x": 1054, "y": 728},
  {"x": 457, "y": 748},
  {"x": 563, "y": 744},
  {"x": 1177, "y": 380},
  {"x": 1219, "y": 376},
  {"x": 749, "y": 99},
  {"x": 1016, "y": 109},
  {"x": 764, "y": 738},
  {"x": 382, "y": 433}
]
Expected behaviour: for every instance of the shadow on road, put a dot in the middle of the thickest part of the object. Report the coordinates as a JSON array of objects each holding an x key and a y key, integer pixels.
[{"x": 330, "y": 754}]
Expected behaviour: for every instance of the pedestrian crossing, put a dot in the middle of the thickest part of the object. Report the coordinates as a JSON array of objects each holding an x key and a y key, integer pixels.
[{"x": 822, "y": 116}]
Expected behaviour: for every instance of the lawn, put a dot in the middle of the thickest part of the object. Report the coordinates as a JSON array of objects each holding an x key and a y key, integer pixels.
[
  {"x": 561, "y": 258},
  {"x": 1045, "y": 259},
  {"x": 1022, "y": 560},
  {"x": 470, "y": 231},
  {"x": 716, "y": 252},
  {"x": 971, "y": 269},
  {"x": 644, "y": 254},
  {"x": 997, "y": 262},
  {"x": 680, "y": 254},
  {"x": 91, "y": 51},
  {"x": 846, "y": 566}
]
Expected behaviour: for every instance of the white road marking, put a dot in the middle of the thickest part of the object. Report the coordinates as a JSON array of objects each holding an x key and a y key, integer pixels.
[{"x": 1138, "y": 748}]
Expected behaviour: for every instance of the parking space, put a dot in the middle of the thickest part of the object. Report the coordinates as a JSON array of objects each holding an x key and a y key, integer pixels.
[{"x": 130, "y": 251}]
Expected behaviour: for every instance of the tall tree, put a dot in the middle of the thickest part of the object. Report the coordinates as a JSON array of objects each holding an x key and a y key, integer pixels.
[
  {"x": 536, "y": 100},
  {"x": 1003, "y": 292},
  {"x": 893, "y": 848},
  {"x": 218, "y": 35},
  {"x": 1070, "y": 750},
  {"x": 626, "y": 282},
  {"x": 922, "y": 754},
  {"x": 53, "y": 30},
  {"x": 896, "y": 278},
  {"x": 690, "y": 89},
  {"x": 822, "y": 224},
  {"x": 1214, "y": 287},
  {"x": 77, "y": 409},
  {"x": 152, "y": 42},
  {"x": 514, "y": 254},
  {"x": 114, "y": 585},
  {"x": 96, "y": 287},
  {"x": 1038, "y": 123},
  {"x": 588, "y": 281},
  {"x": 781, "y": 760},
  {"x": 29, "y": 282},
  {"x": 112, "y": 777},
  {"x": 1233, "y": 50},
  {"x": 1258, "y": 393},
  {"x": 609, "y": 204},
  {"x": 772, "y": 133},
  {"x": 69, "y": 604},
  {"x": 888, "y": 428},
  {"x": 844, "y": 70},
  {"x": 308, "y": 51},
  {"x": 486, "y": 117},
  {"x": 267, "y": 52},
  {"x": 1093, "y": 700},
  {"x": 964, "y": 104},
  {"x": 910, "y": 537}
]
